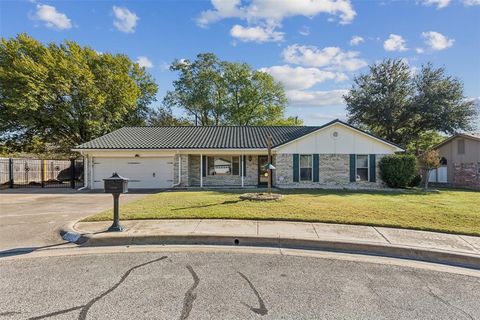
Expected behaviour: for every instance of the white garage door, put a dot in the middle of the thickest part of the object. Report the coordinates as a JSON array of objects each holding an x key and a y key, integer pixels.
[{"x": 143, "y": 173}]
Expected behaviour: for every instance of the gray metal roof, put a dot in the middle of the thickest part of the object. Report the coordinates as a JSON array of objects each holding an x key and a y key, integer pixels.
[
  {"x": 204, "y": 137},
  {"x": 197, "y": 137}
]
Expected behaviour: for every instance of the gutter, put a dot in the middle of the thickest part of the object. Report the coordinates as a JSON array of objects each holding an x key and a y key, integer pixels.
[{"x": 179, "y": 172}]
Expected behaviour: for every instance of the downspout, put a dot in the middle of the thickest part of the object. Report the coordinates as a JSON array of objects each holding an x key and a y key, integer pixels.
[
  {"x": 179, "y": 172},
  {"x": 85, "y": 173}
]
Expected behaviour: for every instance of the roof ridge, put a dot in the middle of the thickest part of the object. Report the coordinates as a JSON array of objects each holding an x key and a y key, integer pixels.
[{"x": 221, "y": 126}]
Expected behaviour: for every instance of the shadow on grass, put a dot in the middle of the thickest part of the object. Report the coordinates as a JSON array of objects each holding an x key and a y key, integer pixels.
[
  {"x": 208, "y": 205},
  {"x": 321, "y": 192}
]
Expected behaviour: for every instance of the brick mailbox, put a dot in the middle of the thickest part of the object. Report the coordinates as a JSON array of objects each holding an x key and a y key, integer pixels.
[{"x": 116, "y": 185}]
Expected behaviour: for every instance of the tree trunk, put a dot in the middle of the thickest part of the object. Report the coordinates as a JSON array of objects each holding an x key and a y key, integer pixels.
[{"x": 426, "y": 175}]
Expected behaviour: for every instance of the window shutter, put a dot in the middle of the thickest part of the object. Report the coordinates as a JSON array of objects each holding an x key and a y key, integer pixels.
[
  {"x": 296, "y": 167},
  {"x": 244, "y": 161},
  {"x": 373, "y": 168},
  {"x": 205, "y": 166},
  {"x": 316, "y": 164},
  {"x": 353, "y": 168}
]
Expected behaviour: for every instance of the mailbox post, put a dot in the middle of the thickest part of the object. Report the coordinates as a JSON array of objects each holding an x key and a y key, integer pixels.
[{"x": 116, "y": 185}]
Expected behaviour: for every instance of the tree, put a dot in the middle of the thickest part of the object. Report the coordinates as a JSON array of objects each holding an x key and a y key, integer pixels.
[
  {"x": 393, "y": 104},
  {"x": 215, "y": 92},
  {"x": 163, "y": 117},
  {"x": 253, "y": 97},
  {"x": 67, "y": 94},
  {"x": 425, "y": 141},
  {"x": 429, "y": 160}
]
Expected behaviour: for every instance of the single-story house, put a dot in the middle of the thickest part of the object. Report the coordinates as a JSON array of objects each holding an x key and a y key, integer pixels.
[
  {"x": 335, "y": 155},
  {"x": 460, "y": 159}
]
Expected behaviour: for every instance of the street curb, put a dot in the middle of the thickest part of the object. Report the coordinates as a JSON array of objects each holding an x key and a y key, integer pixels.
[{"x": 375, "y": 249}]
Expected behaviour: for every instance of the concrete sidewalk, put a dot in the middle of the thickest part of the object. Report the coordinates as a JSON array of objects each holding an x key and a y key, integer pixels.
[{"x": 421, "y": 245}]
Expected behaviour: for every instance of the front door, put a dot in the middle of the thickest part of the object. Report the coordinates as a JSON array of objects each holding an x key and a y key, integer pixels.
[{"x": 262, "y": 172}]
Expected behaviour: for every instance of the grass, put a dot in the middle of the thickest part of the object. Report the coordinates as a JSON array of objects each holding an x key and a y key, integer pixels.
[{"x": 450, "y": 211}]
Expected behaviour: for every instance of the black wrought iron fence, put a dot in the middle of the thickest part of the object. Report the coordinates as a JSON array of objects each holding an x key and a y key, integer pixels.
[{"x": 25, "y": 173}]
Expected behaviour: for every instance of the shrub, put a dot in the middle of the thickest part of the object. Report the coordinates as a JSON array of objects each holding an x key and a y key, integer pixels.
[
  {"x": 417, "y": 179},
  {"x": 398, "y": 170}
]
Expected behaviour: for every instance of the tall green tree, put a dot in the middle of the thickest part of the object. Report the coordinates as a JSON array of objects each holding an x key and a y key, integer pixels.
[
  {"x": 214, "y": 92},
  {"x": 65, "y": 94},
  {"x": 396, "y": 105},
  {"x": 163, "y": 116}
]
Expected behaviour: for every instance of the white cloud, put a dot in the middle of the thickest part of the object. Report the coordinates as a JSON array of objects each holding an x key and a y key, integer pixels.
[
  {"x": 316, "y": 98},
  {"x": 419, "y": 50},
  {"x": 471, "y": 2},
  {"x": 332, "y": 58},
  {"x": 439, "y": 3},
  {"x": 356, "y": 40},
  {"x": 125, "y": 20},
  {"x": 271, "y": 10},
  {"x": 304, "y": 31},
  {"x": 324, "y": 116},
  {"x": 395, "y": 43},
  {"x": 256, "y": 34},
  {"x": 52, "y": 18},
  {"x": 437, "y": 41},
  {"x": 299, "y": 78},
  {"x": 144, "y": 62}
]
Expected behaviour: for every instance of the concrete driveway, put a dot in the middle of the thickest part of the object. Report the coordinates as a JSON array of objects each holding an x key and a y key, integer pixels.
[{"x": 31, "y": 218}]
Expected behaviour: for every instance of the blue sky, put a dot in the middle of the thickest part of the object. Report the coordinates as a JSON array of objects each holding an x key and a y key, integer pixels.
[{"x": 315, "y": 47}]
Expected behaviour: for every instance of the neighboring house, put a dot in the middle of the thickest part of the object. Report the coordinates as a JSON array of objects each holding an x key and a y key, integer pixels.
[
  {"x": 460, "y": 159},
  {"x": 335, "y": 155}
]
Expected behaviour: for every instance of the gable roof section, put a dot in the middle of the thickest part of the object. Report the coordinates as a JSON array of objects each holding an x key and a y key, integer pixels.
[
  {"x": 475, "y": 137},
  {"x": 337, "y": 121},
  {"x": 206, "y": 137}
]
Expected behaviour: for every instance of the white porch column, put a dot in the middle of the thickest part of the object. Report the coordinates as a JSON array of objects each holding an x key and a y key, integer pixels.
[
  {"x": 201, "y": 170},
  {"x": 241, "y": 163}
]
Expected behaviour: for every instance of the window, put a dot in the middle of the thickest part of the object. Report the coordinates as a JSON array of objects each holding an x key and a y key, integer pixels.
[
  {"x": 461, "y": 147},
  {"x": 478, "y": 168},
  {"x": 223, "y": 166},
  {"x": 306, "y": 167},
  {"x": 362, "y": 167}
]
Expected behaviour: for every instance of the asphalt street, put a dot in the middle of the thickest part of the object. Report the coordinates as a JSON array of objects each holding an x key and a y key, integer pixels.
[{"x": 180, "y": 284}]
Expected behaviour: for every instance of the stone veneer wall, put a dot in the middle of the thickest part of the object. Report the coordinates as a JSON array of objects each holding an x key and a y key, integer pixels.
[
  {"x": 466, "y": 175},
  {"x": 334, "y": 173}
]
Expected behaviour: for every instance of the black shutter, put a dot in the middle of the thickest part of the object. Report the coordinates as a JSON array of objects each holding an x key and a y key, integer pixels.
[
  {"x": 316, "y": 165},
  {"x": 205, "y": 166},
  {"x": 244, "y": 161},
  {"x": 353, "y": 168},
  {"x": 373, "y": 168},
  {"x": 296, "y": 167}
]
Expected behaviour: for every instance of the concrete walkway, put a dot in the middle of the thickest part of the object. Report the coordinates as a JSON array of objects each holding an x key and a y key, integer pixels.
[{"x": 421, "y": 245}]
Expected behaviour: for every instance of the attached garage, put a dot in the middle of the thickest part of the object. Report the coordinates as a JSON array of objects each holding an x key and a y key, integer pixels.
[{"x": 143, "y": 173}]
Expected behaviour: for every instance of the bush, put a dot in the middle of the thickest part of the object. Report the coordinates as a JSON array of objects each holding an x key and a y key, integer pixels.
[
  {"x": 397, "y": 171},
  {"x": 417, "y": 179}
]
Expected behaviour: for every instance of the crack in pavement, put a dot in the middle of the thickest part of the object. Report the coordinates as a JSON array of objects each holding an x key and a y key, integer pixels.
[
  {"x": 8, "y": 313},
  {"x": 55, "y": 313},
  {"x": 430, "y": 292},
  {"x": 86, "y": 307},
  {"x": 261, "y": 310},
  {"x": 190, "y": 295}
]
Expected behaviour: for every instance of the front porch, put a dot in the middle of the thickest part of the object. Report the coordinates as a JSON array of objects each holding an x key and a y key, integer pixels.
[{"x": 221, "y": 170}]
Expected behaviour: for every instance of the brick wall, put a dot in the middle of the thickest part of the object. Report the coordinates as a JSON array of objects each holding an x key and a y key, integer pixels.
[{"x": 466, "y": 175}]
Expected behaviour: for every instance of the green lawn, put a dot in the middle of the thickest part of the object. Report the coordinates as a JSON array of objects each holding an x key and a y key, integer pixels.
[{"x": 452, "y": 211}]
